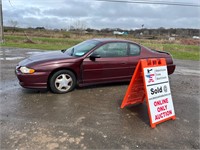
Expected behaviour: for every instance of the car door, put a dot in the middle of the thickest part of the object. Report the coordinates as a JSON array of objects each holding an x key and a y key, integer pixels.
[{"x": 112, "y": 65}]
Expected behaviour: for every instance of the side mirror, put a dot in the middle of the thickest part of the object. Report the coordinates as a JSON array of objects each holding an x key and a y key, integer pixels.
[{"x": 94, "y": 56}]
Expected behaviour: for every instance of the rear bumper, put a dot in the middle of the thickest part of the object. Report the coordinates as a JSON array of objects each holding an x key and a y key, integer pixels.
[{"x": 171, "y": 68}]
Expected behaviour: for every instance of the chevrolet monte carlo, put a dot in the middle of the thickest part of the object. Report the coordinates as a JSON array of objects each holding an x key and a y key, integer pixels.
[{"x": 93, "y": 61}]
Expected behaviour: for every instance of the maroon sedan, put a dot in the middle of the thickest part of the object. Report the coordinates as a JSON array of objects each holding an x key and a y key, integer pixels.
[{"x": 90, "y": 62}]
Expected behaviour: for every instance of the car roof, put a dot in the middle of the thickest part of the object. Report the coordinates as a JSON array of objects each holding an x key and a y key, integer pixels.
[{"x": 111, "y": 40}]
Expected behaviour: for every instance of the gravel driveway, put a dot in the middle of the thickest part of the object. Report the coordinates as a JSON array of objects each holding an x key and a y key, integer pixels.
[{"x": 90, "y": 117}]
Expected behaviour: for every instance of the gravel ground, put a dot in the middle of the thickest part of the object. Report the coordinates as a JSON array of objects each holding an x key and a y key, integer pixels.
[{"x": 90, "y": 117}]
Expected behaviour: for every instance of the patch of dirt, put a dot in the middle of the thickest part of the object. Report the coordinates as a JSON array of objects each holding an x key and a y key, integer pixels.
[
  {"x": 190, "y": 41},
  {"x": 29, "y": 41}
]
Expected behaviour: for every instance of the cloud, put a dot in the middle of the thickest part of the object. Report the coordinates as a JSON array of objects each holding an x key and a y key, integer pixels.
[
  {"x": 62, "y": 14},
  {"x": 66, "y": 12}
]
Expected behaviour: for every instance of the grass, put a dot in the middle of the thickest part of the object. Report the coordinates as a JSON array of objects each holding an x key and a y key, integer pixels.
[
  {"x": 40, "y": 42},
  {"x": 178, "y": 51}
]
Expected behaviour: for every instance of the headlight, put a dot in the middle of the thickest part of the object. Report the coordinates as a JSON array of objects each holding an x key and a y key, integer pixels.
[{"x": 26, "y": 70}]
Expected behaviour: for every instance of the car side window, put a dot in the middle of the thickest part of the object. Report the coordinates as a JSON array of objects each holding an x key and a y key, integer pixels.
[
  {"x": 112, "y": 50},
  {"x": 134, "y": 50}
]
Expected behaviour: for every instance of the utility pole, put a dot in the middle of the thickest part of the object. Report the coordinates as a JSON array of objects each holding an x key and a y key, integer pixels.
[{"x": 1, "y": 23}]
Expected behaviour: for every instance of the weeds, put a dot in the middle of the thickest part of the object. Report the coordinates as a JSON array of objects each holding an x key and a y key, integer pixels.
[{"x": 66, "y": 40}]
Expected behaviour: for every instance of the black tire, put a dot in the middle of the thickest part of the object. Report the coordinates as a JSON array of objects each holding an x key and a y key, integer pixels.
[{"x": 62, "y": 81}]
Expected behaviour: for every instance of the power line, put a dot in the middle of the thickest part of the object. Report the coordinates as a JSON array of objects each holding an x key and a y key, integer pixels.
[
  {"x": 158, "y": 2},
  {"x": 152, "y": 2}
]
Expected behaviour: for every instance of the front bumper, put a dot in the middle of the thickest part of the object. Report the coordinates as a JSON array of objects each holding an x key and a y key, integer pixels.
[{"x": 37, "y": 80}]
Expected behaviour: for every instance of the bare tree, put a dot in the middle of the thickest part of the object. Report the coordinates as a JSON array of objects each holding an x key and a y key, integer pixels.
[
  {"x": 13, "y": 24},
  {"x": 79, "y": 25}
]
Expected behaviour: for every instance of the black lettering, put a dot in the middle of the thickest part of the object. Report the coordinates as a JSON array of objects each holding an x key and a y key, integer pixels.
[
  {"x": 152, "y": 91},
  {"x": 156, "y": 91}
]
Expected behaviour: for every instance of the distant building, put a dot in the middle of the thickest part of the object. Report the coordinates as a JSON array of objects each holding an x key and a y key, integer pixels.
[
  {"x": 120, "y": 33},
  {"x": 196, "y": 37},
  {"x": 172, "y": 38}
]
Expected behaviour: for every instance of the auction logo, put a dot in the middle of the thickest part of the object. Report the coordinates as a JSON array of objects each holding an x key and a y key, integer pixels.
[{"x": 150, "y": 75}]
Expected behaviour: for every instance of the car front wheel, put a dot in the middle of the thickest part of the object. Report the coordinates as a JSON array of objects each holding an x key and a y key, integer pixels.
[{"x": 62, "y": 81}]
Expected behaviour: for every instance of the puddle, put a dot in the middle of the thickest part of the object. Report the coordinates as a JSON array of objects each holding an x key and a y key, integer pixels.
[
  {"x": 186, "y": 71},
  {"x": 32, "y": 53},
  {"x": 4, "y": 57},
  {"x": 12, "y": 58}
]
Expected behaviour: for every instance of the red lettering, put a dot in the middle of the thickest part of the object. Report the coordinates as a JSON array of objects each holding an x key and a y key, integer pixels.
[
  {"x": 163, "y": 114},
  {"x": 160, "y": 102},
  {"x": 162, "y": 108},
  {"x": 164, "y": 101}
]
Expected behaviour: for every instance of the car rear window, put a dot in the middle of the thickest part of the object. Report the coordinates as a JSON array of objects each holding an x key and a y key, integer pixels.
[{"x": 134, "y": 50}]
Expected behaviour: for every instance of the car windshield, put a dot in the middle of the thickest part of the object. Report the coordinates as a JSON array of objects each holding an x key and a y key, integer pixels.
[{"x": 81, "y": 48}]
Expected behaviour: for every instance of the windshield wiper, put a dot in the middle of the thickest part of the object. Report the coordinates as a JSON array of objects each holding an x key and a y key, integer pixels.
[{"x": 63, "y": 50}]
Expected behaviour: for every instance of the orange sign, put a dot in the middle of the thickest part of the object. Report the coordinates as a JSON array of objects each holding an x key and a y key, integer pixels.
[
  {"x": 150, "y": 80},
  {"x": 135, "y": 92}
]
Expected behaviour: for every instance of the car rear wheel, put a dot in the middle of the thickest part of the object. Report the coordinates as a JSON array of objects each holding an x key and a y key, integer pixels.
[{"x": 62, "y": 81}]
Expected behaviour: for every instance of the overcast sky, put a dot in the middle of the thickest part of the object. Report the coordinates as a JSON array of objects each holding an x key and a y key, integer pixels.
[{"x": 93, "y": 14}]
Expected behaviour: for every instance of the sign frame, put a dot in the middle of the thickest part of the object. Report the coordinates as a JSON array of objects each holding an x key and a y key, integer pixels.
[{"x": 141, "y": 75}]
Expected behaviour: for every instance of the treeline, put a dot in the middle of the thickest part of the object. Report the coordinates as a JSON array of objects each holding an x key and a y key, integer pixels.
[
  {"x": 171, "y": 32},
  {"x": 140, "y": 33}
]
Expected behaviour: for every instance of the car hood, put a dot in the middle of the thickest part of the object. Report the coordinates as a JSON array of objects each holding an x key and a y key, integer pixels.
[
  {"x": 46, "y": 57},
  {"x": 49, "y": 56}
]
